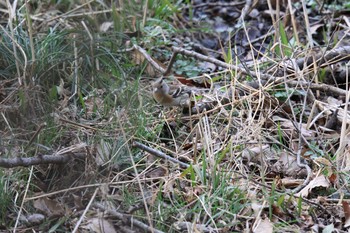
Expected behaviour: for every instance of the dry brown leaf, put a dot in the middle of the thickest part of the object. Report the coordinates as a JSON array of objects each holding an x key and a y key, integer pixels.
[
  {"x": 288, "y": 166},
  {"x": 35, "y": 219},
  {"x": 323, "y": 161},
  {"x": 99, "y": 225},
  {"x": 289, "y": 125},
  {"x": 49, "y": 207},
  {"x": 313, "y": 29},
  {"x": 320, "y": 181},
  {"x": 78, "y": 202},
  {"x": 157, "y": 172},
  {"x": 264, "y": 226},
  {"x": 105, "y": 26},
  {"x": 347, "y": 158},
  {"x": 138, "y": 59},
  {"x": 290, "y": 182},
  {"x": 346, "y": 209},
  {"x": 256, "y": 207},
  {"x": 256, "y": 154},
  {"x": 333, "y": 101}
]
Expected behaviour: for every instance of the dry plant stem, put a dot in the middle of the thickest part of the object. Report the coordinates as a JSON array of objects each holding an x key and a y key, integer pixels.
[
  {"x": 271, "y": 78},
  {"x": 295, "y": 29},
  {"x": 185, "y": 226},
  {"x": 307, "y": 24},
  {"x": 30, "y": 30},
  {"x": 325, "y": 58},
  {"x": 144, "y": 18},
  {"x": 149, "y": 59},
  {"x": 92, "y": 186},
  {"x": 11, "y": 12},
  {"x": 281, "y": 191},
  {"x": 159, "y": 154},
  {"x": 129, "y": 218},
  {"x": 171, "y": 63},
  {"x": 34, "y": 136},
  {"x": 277, "y": 80},
  {"x": 344, "y": 131},
  {"x": 76, "y": 69},
  {"x": 85, "y": 211},
  {"x": 41, "y": 159},
  {"x": 77, "y": 124},
  {"x": 137, "y": 176},
  {"x": 24, "y": 198},
  {"x": 245, "y": 11},
  {"x": 67, "y": 14},
  {"x": 301, "y": 140}
]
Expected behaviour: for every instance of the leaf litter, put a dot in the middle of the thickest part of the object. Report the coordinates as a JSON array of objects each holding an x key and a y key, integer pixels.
[{"x": 263, "y": 154}]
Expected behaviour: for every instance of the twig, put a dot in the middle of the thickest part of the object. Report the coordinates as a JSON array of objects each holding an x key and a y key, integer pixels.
[
  {"x": 85, "y": 211},
  {"x": 277, "y": 80},
  {"x": 77, "y": 124},
  {"x": 34, "y": 136},
  {"x": 326, "y": 58},
  {"x": 41, "y": 159},
  {"x": 159, "y": 154},
  {"x": 171, "y": 63},
  {"x": 137, "y": 176},
  {"x": 129, "y": 218},
  {"x": 24, "y": 198},
  {"x": 149, "y": 59},
  {"x": 247, "y": 8}
]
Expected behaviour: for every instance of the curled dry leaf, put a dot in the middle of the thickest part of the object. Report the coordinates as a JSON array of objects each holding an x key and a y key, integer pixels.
[
  {"x": 49, "y": 207},
  {"x": 346, "y": 209},
  {"x": 190, "y": 227},
  {"x": 291, "y": 126},
  {"x": 105, "y": 26},
  {"x": 290, "y": 183},
  {"x": 157, "y": 172},
  {"x": 35, "y": 219},
  {"x": 264, "y": 226},
  {"x": 256, "y": 154},
  {"x": 99, "y": 225},
  {"x": 287, "y": 165},
  {"x": 320, "y": 181}
]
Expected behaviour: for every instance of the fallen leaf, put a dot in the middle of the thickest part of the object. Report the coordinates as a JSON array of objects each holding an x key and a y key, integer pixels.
[
  {"x": 35, "y": 219},
  {"x": 264, "y": 226},
  {"x": 346, "y": 209},
  {"x": 99, "y": 225},
  {"x": 329, "y": 229},
  {"x": 320, "y": 181},
  {"x": 49, "y": 207}
]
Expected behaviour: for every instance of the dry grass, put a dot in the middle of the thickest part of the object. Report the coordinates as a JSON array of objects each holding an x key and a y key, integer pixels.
[{"x": 70, "y": 88}]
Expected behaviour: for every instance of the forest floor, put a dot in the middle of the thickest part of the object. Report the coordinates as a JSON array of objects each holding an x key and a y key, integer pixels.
[{"x": 261, "y": 145}]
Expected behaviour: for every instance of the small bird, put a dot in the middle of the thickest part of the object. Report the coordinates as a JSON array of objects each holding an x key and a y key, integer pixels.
[{"x": 166, "y": 97}]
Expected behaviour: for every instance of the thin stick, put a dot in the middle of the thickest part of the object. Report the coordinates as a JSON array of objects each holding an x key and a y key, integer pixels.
[
  {"x": 85, "y": 211},
  {"x": 159, "y": 154},
  {"x": 130, "y": 219}
]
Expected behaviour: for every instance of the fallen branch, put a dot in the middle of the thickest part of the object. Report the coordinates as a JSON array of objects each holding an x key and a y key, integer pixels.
[
  {"x": 41, "y": 159},
  {"x": 276, "y": 80},
  {"x": 326, "y": 58},
  {"x": 130, "y": 219},
  {"x": 62, "y": 156},
  {"x": 159, "y": 154}
]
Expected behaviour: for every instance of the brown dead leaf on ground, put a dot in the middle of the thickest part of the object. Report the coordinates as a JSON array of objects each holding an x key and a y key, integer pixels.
[
  {"x": 263, "y": 226},
  {"x": 320, "y": 181},
  {"x": 99, "y": 225},
  {"x": 346, "y": 209},
  {"x": 50, "y": 207}
]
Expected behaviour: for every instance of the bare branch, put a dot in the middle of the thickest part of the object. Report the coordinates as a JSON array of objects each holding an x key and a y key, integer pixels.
[
  {"x": 41, "y": 159},
  {"x": 129, "y": 218},
  {"x": 159, "y": 154}
]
